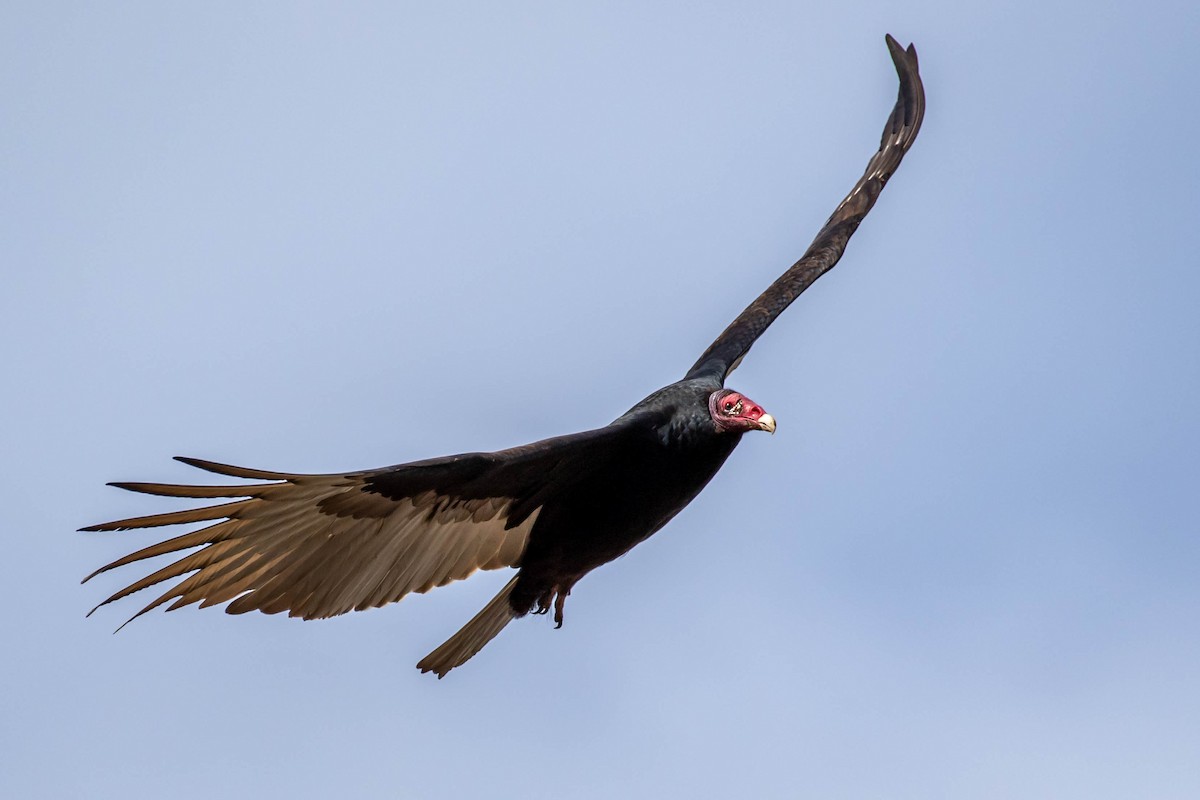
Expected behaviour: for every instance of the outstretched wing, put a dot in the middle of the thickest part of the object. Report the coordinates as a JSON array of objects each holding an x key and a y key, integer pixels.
[
  {"x": 321, "y": 545},
  {"x": 723, "y": 355}
]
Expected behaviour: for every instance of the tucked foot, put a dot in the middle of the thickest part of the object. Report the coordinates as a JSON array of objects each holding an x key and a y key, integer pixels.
[
  {"x": 544, "y": 601},
  {"x": 559, "y": 602}
]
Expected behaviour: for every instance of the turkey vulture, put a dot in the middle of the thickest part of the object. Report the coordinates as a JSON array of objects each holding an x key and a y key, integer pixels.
[{"x": 317, "y": 546}]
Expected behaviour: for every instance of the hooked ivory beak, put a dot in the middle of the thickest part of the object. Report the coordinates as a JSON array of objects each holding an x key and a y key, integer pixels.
[{"x": 767, "y": 423}]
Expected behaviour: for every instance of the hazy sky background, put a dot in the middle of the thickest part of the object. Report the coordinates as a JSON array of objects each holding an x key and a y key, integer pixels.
[{"x": 314, "y": 237}]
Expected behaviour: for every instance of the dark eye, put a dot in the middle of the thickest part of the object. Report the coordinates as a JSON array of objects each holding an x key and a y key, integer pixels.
[{"x": 728, "y": 407}]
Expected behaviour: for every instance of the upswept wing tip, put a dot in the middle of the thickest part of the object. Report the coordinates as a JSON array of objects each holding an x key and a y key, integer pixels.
[
  {"x": 899, "y": 132},
  {"x": 896, "y": 48},
  {"x": 908, "y": 70}
]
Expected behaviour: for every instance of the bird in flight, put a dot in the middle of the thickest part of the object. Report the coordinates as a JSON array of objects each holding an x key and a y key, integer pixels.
[{"x": 318, "y": 546}]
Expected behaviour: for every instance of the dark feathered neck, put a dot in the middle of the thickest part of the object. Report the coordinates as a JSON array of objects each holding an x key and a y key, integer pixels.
[{"x": 679, "y": 416}]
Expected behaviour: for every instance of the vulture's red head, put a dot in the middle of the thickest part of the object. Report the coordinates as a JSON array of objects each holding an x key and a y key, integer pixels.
[{"x": 734, "y": 412}]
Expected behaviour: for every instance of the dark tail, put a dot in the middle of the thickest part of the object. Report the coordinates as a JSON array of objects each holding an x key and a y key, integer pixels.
[{"x": 471, "y": 638}]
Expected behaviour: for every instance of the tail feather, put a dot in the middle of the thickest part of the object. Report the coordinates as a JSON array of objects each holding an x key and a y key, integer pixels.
[{"x": 471, "y": 638}]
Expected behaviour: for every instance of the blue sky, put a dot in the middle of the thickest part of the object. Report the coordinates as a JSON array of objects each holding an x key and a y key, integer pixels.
[{"x": 311, "y": 238}]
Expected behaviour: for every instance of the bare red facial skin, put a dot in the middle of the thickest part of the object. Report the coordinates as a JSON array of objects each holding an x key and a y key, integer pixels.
[{"x": 733, "y": 411}]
